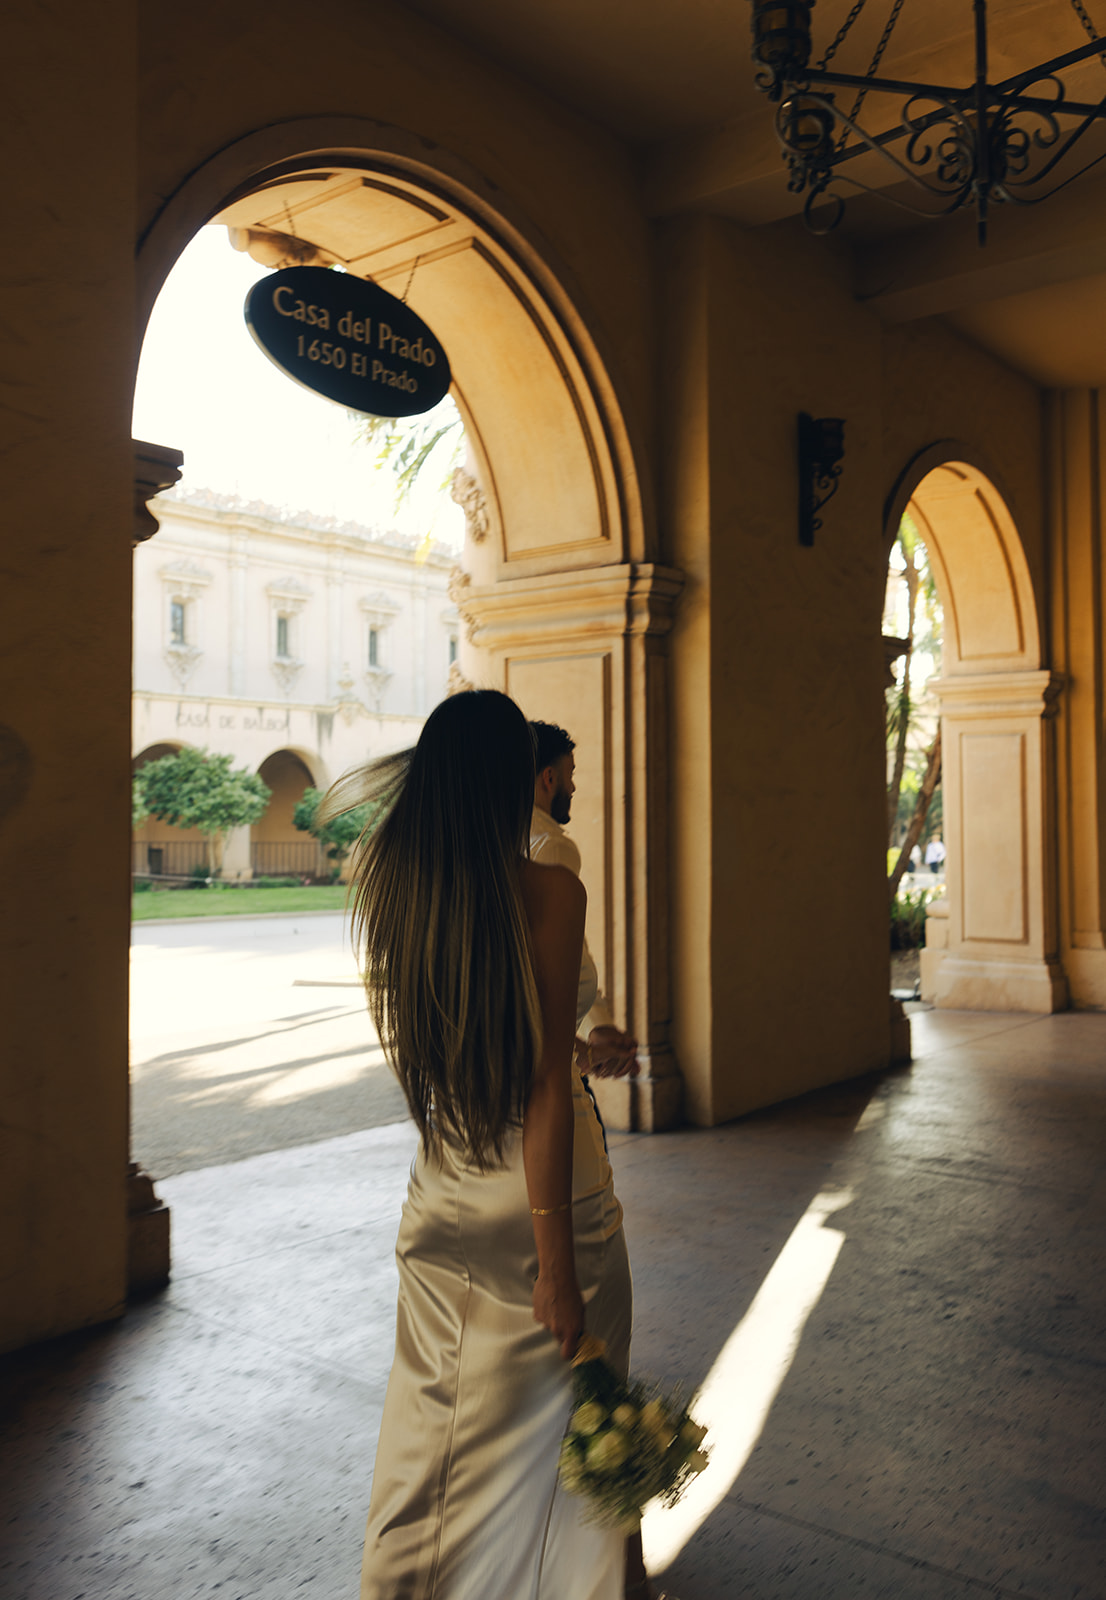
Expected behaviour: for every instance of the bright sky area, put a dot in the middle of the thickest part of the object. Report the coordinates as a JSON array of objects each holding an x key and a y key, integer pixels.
[{"x": 205, "y": 387}]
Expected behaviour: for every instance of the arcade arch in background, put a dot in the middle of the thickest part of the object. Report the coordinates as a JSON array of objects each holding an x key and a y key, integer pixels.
[
  {"x": 277, "y": 847},
  {"x": 548, "y": 436},
  {"x": 992, "y": 945},
  {"x": 157, "y": 848},
  {"x": 979, "y": 564}
]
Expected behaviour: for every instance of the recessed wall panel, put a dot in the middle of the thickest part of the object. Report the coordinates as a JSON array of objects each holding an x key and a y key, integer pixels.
[{"x": 993, "y": 824}]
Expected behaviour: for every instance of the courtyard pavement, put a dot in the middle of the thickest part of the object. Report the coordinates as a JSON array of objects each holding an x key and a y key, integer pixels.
[
  {"x": 889, "y": 1296},
  {"x": 249, "y": 1034}
]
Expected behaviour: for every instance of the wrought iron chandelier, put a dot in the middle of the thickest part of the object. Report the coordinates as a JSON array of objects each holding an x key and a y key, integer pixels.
[{"x": 974, "y": 146}]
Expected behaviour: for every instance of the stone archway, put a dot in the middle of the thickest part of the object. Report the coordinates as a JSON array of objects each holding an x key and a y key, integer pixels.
[
  {"x": 159, "y": 850},
  {"x": 997, "y": 948},
  {"x": 559, "y": 602},
  {"x": 276, "y": 846}
]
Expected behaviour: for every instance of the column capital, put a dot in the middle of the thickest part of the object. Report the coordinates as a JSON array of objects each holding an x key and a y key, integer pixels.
[
  {"x": 157, "y": 467},
  {"x": 637, "y": 598},
  {"x": 999, "y": 694}
]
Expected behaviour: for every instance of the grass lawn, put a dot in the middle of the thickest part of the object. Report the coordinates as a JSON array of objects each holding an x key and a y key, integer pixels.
[{"x": 230, "y": 902}]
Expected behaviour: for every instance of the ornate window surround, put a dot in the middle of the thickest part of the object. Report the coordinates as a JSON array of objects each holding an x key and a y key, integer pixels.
[
  {"x": 287, "y": 598},
  {"x": 378, "y": 611},
  {"x": 183, "y": 583}
]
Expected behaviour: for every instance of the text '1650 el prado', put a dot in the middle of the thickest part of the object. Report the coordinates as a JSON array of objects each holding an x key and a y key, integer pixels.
[{"x": 348, "y": 340}]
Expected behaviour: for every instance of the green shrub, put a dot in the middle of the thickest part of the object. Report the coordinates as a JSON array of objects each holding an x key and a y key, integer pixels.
[
  {"x": 908, "y": 918},
  {"x": 141, "y": 885},
  {"x": 199, "y": 874},
  {"x": 276, "y": 883}
]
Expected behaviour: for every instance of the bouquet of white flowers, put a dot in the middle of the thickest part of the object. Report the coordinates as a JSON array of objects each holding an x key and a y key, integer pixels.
[{"x": 626, "y": 1444}]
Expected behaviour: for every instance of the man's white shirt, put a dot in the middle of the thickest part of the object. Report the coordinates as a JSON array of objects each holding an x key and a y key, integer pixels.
[{"x": 550, "y": 846}]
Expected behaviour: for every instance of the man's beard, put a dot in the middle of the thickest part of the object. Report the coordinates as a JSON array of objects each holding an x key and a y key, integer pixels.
[{"x": 560, "y": 806}]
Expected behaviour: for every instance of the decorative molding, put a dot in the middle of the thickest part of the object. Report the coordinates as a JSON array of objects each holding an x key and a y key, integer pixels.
[
  {"x": 466, "y": 492},
  {"x": 457, "y": 683},
  {"x": 289, "y": 594},
  {"x": 182, "y": 661},
  {"x": 350, "y": 707},
  {"x": 376, "y": 681},
  {"x": 628, "y": 599},
  {"x": 378, "y": 608},
  {"x": 999, "y": 694},
  {"x": 184, "y": 579},
  {"x": 286, "y": 672},
  {"x": 157, "y": 467}
]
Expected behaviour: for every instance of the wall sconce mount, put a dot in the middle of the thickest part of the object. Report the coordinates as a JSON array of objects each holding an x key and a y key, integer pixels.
[{"x": 821, "y": 452}]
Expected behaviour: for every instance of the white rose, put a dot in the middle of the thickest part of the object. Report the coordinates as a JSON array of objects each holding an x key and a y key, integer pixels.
[
  {"x": 657, "y": 1420},
  {"x": 608, "y": 1450},
  {"x": 588, "y": 1418}
]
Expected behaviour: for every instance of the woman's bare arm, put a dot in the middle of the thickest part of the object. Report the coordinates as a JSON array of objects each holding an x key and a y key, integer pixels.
[{"x": 555, "y": 906}]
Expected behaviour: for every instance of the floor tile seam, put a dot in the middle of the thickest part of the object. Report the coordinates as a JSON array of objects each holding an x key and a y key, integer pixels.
[
  {"x": 294, "y": 1352},
  {"x": 887, "y": 1163},
  {"x": 1031, "y": 1020},
  {"x": 188, "y": 1275},
  {"x": 919, "y": 1563}
]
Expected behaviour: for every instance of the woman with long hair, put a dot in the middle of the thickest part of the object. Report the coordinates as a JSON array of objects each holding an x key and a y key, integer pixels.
[{"x": 511, "y": 1239}]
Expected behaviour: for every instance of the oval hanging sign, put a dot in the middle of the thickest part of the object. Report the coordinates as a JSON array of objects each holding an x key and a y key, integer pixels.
[{"x": 348, "y": 340}]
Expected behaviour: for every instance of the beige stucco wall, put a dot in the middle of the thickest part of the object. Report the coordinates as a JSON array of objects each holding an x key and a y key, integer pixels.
[
  {"x": 697, "y": 350},
  {"x": 65, "y": 486}
]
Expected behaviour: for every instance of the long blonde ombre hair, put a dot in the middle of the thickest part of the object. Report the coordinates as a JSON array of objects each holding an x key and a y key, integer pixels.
[{"x": 439, "y": 919}]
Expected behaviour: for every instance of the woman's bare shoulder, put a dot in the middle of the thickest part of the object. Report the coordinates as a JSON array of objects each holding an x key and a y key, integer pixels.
[{"x": 549, "y": 890}]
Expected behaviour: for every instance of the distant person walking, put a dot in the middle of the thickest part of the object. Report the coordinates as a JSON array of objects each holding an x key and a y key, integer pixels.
[{"x": 935, "y": 855}]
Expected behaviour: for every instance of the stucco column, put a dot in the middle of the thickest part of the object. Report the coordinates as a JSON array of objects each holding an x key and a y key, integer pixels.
[
  {"x": 239, "y": 573},
  {"x": 1002, "y": 951},
  {"x": 236, "y": 854},
  {"x": 1078, "y": 449},
  {"x": 587, "y": 650}
]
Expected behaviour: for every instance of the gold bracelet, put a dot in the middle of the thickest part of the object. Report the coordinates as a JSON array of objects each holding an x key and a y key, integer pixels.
[{"x": 550, "y": 1211}]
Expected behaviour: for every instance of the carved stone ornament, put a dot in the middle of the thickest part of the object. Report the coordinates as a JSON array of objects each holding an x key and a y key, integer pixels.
[
  {"x": 290, "y": 594},
  {"x": 457, "y": 683},
  {"x": 459, "y": 581},
  {"x": 378, "y": 608},
  {"x": 376, "y": 681},
  {"x": 467, "y": 493},
  {"x": 184, "y": 579},
  {"x": 286, "y": 673},
  {"x": 157, "y": 467},
  {"x": 348, "y": 705},
  {"x": 182, "y": 661}
]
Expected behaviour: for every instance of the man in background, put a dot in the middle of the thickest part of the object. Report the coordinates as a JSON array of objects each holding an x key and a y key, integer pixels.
[{"x": 601, "y": 1048}]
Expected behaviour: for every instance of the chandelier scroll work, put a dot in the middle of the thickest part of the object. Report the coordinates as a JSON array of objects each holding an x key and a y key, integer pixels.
[{"x": 981, "y": 145}]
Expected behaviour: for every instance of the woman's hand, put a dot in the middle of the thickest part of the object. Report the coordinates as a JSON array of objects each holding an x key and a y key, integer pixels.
[{"x": 559, "y": 1307}]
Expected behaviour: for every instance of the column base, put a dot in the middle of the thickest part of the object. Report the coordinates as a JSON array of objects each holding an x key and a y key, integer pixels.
[
  {"x": 650, "y": 1103},
  {"x": 900, "y": 1053},
  {"x": 147, "y": 1234},
  {"x": 966, "y": 985}
]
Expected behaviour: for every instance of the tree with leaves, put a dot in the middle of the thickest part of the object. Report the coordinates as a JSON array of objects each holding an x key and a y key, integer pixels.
[
  {"x": 910, "y": 562},
  {"x": 195, "y": 789},
  {"x": 338, "y": 835},
  {"x": 410, "y": 447}
]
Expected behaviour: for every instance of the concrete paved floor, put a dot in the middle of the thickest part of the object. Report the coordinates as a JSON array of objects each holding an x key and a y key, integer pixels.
[
  {"x": 892, "y": 1293},
  {"x": 249, "y": 1034}
]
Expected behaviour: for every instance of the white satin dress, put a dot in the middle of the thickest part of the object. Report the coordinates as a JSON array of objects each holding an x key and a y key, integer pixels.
[{"x": 465, "y": 1503}]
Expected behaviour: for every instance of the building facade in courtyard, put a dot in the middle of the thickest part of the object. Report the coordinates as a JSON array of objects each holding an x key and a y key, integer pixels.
[
  {"x": 298, "y": 645},
  {"x": 588, "y": 208}
]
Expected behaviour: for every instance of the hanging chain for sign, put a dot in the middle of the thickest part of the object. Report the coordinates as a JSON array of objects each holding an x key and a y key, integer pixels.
[{"x": 410, "y": 279}]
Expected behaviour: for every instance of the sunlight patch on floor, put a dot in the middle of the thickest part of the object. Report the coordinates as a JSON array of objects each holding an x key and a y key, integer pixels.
[{"x": 737, "y": 1395}]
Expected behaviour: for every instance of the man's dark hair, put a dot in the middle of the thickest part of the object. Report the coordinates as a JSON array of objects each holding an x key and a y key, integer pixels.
[{"x": 550, "y": 744}]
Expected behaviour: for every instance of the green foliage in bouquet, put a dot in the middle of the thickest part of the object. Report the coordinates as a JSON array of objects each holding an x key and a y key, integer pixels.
[{"x": 626, "y": 1444}]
